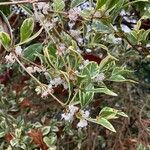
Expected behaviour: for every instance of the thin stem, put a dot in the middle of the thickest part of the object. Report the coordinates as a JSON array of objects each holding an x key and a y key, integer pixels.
[
  {"x": 22, "y": 2},
  {"x": 61, "y": 103},
  {"x": 16, "y": 58}
]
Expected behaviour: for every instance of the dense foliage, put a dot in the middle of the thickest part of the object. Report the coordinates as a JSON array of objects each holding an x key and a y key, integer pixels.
[{"x": 75, "y": 74}]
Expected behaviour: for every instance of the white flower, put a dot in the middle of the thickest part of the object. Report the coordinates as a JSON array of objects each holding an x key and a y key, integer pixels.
[
  {"x": 59, "y": 81},
  {"x": 37, "y": 69},
  {"x": 43, "y": 7},
  {"x": 61, "y": 49},
  {"x": 75, "y": 33},
  {"x": 100, "y": 77},
  {"x": 45, "y": 94},
  {"x": 47, "y": 91},
  {"x": 80, "y": 40},
  {"x": 73, "y": 109},
  {"x": 71, "y": 24},
  {"x": 30, "y": 69},
  {"x": 65, "y": 85},
  {"x": 88, "y": 50},
  {"x": 83, "y": 122},
  {"x": 73, "y": 14},
  {"x": 70, "y": 113},
  {"x": 18, "y": 50},
  {"x": 10, "y": 59},
  {"x": 67, "y": 117},
  {"x": 86, "y": 62}
]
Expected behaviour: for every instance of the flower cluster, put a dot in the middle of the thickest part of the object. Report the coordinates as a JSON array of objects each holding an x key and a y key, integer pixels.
[
  {"x": 33, "y": 69},
  {"x": 83, "y": 122},
  {"x": 59, "y": 81},
  {"x": 47, "y": 91},
  {"x": 69, "y": 116},
  {"x": 100, "y": 77},
  {"x": 10, "y": 59},
  {"x": 43, "y": 7},
  {"x": 85, "y": 62},
  {"x": 18, "y": 51}
]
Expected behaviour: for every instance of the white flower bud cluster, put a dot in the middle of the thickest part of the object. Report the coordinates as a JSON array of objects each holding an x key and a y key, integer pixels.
[
  {"x": 83, "y": 122},
  {"x": 69, "y": 116},
  {"x": 61, "y": 49},
  {"x": 99, "y": 78},
  {"x": 85, "y": 62},
  {"x": 18, "y": 51},
  {"x": 33, "y": 69},
  {"x": 47, "y": 92},
  {"x": 10, "y": 59},
  {"x": 59, "y": 81},
  {"x": 43, "y": 7},
  {"x": 76, "y": 35},
  {"x": 41, "y": 16}
]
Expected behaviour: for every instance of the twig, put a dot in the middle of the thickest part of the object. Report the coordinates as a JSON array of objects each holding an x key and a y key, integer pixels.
[{"x": 22, "y": 2}]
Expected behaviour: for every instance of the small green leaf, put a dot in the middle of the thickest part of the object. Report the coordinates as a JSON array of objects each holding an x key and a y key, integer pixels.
[
  {"x": 50, "y": 141},
  {"x": 26, "y": 29},
  {"x": 52, "y": 50},
  {"x": 92, "y": 68},
  {"x": 32, "y": 37},
  {"x": 100, "y": 3},
  {"x": 86, "y": 97},
  {"x": 58, "y": 5},
  {"x": 104, "y": 90},
  {"x": 2, "y": 134},
  {"x": 76, "y": 3},
  {"x": 46, "y": 130},
  {"x": 5, "y": 39},
  {"x": 117, "y": 78},
  {"x": 105, "y": 123},
  {"x": 122, "y": 114},
  {"x": 108, "y": 113},
  {"x": 31, "y": 50}
]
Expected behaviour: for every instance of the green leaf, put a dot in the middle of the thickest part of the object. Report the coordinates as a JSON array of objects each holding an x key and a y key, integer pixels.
[
  {"x": 31, "y": 50},
  {"x": 58, "y": 5},
  {"x": 46, "y": 130},
  {"x": 105, "y": 123},
  {"x": 26, "y": 9},
  {"x": 52, "y": 50},
  {"x": 100, "y": 3},
  {"x": 111, "y": 3},
  {"x": 5, "y": 19},
  {"x": 117, "y": 78},
  {"x": 50, "y": 141},
  {"x": 92, "y": 68},
  {"x": 76, "y": 3},
  {"x": 111, "y": 113},
  {"x": 26, "y": 29},
  {"x": 5, "y": 39},
  {"x": 86, "y": 97},
  {"x": 120, "y": 113},
  {"x": 108, "y": 113},
  {"x": 105, "y": 61},
  {"x": 104, "y": 90},
  {"x": 2, "y": 134},
  {"x": 32, "y": 37}
]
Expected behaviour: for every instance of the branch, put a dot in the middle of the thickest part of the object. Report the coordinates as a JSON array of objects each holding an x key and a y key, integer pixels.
[{"x": 22, "y": 2}]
